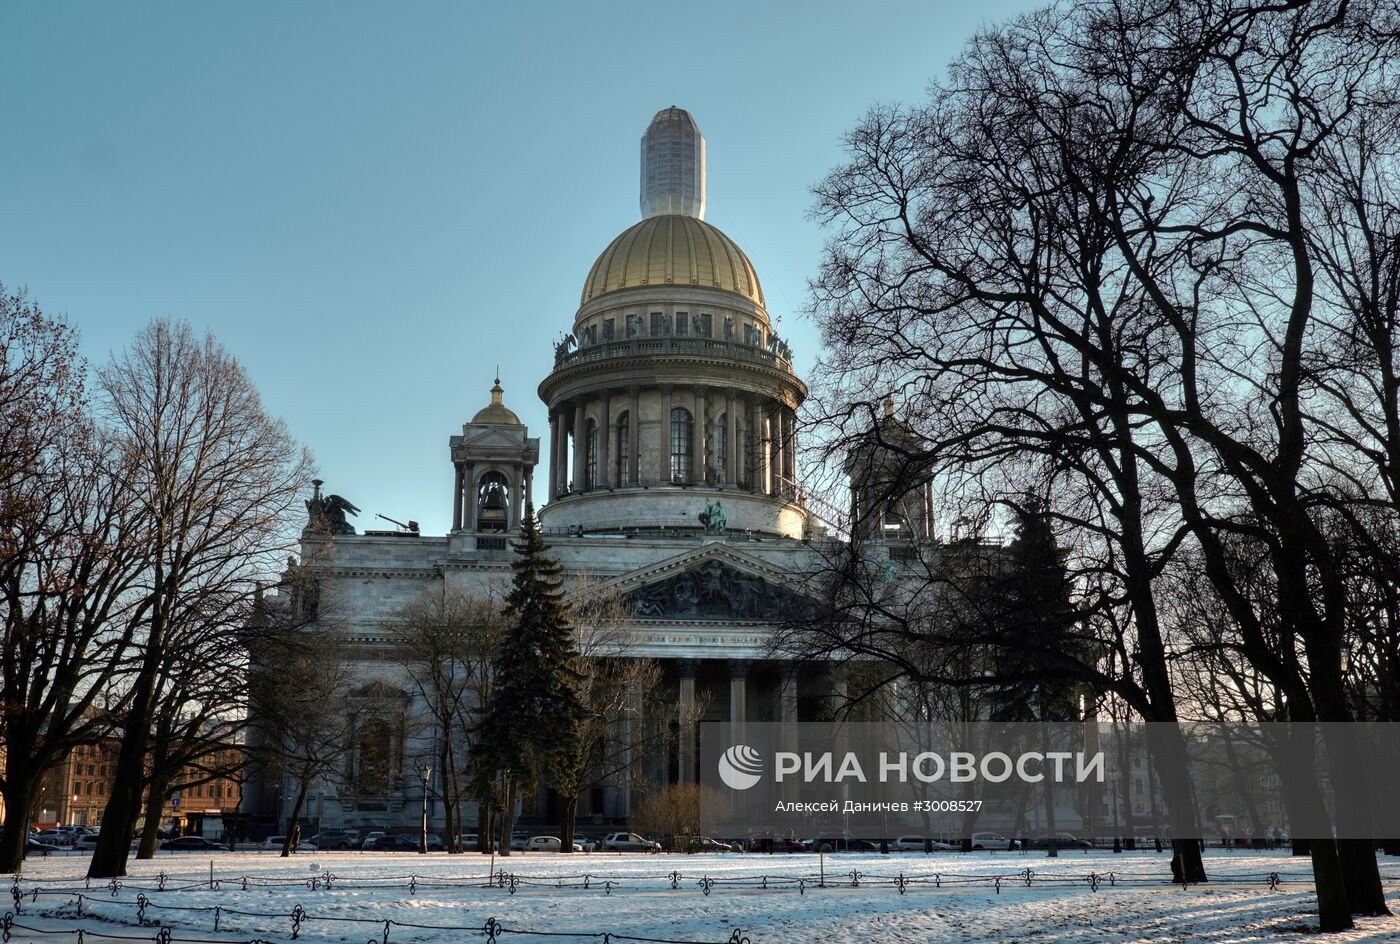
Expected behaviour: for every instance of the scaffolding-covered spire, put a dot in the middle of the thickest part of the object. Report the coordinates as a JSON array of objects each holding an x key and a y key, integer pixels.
[{"x": 673, "y": 165}]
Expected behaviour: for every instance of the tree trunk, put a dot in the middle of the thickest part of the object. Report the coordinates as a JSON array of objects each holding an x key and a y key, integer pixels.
[
  {"x": 448, "y": 813},
  {"x": 150, "y": 829},
  {"x": 20, "y": 795},
  {"x": 507, "y": 816},
  {"x": 483, "y": 826},
  {"x": 1168, "y": 747},
  {"x": 290, "y": 839},
  {"x": 566, "y": 837}
]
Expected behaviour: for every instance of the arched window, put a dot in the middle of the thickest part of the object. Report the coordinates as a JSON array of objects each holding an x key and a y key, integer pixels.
[
  {"x": 590, "y": 456},
  {"x": 623, "y": 459},
  {"x": 680, "y": 445},
  {"x": 374, "y": 758},
  {"x": 492, "y": 503},
  {"x": 722, "y": 450}
]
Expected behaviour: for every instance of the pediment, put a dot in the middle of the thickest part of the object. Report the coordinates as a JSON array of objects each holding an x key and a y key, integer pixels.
[
  {"x": 490, "y": 437},
  {"x": 714, "y": 582}
]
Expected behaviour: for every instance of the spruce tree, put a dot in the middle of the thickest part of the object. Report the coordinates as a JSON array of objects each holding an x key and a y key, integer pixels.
[{"x": 531, "y": 725}]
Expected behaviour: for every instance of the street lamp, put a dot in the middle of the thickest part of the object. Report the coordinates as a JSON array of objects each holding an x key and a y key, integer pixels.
[{"x": 425, "y": 773}]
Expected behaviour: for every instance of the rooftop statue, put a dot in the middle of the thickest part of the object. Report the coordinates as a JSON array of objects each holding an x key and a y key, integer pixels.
[{"x": 327, "y": 514}]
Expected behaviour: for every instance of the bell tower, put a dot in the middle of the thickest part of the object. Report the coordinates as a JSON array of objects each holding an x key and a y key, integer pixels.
[
  {"x": 891, "y": 498},
  {"x": 494, "y": 459}
]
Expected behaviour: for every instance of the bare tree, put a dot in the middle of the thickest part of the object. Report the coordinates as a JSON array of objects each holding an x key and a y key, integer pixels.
[
  {"x": 216, "y": 481},
  {"x": 615, "y": 686},
  {"x": 446, "y": 642},
  {"x": 70, "y": 555},
  {"x": 1091, "y": 254}
]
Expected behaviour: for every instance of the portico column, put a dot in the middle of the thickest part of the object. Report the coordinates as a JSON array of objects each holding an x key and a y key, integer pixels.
[
  {"x": 787, "y": 716},
  {"x": 787, "y": 695},
  {"x": 605, "y": 441},
  {"x": 457, "y": 499},
  {"x": 731, "y": 441},
  {"x": 738, "y": 701},
  {"x": 554, "y": 421},
  {"x": 685, "y": 749},
  {"x": 664, "y": 453},
  {"x": 697, "y": 438},
  {"x": 580, "y": 444},
  {"x": 634, "y": 437},
  {"x": 469, "y": 495},
  {"x": 529, "y": 487}
]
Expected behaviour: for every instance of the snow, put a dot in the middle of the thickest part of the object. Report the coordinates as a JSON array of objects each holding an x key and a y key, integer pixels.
[{"x": 950, "y": 897}]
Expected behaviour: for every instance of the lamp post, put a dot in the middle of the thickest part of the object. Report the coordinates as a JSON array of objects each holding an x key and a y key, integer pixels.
[{"x": 425, "y": 773}]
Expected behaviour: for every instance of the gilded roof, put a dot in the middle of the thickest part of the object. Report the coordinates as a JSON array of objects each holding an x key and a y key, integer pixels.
[
  {"x": 496, "y": 412},
  {"x": 673, "y": 249}
]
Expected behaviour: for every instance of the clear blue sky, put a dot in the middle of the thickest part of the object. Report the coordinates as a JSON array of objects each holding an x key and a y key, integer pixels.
[{"x": 374, "y": 204}]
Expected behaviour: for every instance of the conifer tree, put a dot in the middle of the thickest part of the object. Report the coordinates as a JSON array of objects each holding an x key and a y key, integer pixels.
[{"x": 531, "y": 725}]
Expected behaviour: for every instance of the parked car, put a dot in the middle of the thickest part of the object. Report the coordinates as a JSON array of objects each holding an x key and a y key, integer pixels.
[
  {"x": 191, "y": 844},
  {"x": 370, "y": 837},
  {"x": 842, "y": 844},
  {"x": 583, "y": 842},
  {"x": 993, "y": 841},
  {"x": 1062, "y": 841},
  {"x": 917, "y": 844},
  {"x": 775, "y": 844},
  {"x": 435, "y": 843},
  {"x": 332, "y": 839},
  {"x": 628, "y": 842},
  {"x": 706, "y": 844},
  {"x": 55, "y": 837},
  {"x": 547, "y": 844},
  {"x": 517, "y": 842},
  {"x": 469, "y": 841},
  {"x": 86, "y": 842},
  {"x": 383, "y": 843}
]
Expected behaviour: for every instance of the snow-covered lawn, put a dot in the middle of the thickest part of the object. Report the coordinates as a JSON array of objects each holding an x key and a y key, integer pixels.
[{"x": 770, "y": 899}]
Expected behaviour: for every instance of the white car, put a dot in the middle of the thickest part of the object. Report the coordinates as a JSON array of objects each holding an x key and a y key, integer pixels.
[
  {"x": 993, "y": 841},
  {"x": 629, "y": 842},
  {"x": 86, "y": 842},
  {"x": 547, "y": 844},
  {"x": 368, "y": 836},
  {"x": 274, "y": 843},
  {"x": 916, "y": 844}
]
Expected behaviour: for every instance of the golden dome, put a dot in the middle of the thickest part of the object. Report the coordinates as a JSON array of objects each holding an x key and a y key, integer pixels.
[
  {"x": 496, "y": 413},
  {"x": 673, "y": 249}
]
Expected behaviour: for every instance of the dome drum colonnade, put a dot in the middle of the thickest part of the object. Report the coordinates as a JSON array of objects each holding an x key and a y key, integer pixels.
[{"x": 677, "y": 383}]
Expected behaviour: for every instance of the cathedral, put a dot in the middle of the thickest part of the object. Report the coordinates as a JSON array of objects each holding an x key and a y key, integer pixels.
[{"x": 672, "y": 481}]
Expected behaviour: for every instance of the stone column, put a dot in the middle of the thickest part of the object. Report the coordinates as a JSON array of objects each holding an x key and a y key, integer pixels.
[
  {"x": 515, "y": 508},
  {"x": 787, "y": 695},
  {"x": 554, "y": 421},
  {"x": 731, "y": 440},
  {"x": 634, "y": 437},
  {"x": 530, "y": 486},
  {"x": 469, "y": 495},
  {"x": 787, "y": 716},
  {"x": 605, "y": 441},
  {"x": 685, "y": 750},
  {"x": 664, "y": 473},
  {"x": 760, "y": 441},
  {"x": 790, "y": 450},
  {"x": 457, "y": 498},
  {"x": 775, "y": 422},
  {"x": 697, "y": 439},
  {"x": 560, "y": 457},
  {"x": 580, "y": 443},
  {"x": 738, "y": 700}
]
